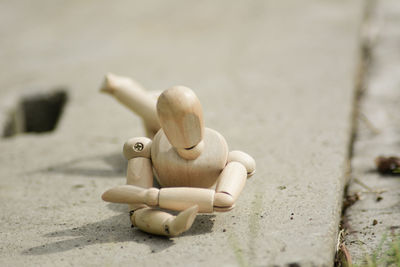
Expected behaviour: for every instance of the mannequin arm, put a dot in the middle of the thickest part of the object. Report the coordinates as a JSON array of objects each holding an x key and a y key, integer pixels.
[
  {"x": 245, "y": 159},
  {"x": 230, "y": 185},
  {"x": 139, "y": 171}
]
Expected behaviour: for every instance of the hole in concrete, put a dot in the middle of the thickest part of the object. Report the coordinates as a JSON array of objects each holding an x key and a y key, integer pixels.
[{"x": 36, "y": 113}]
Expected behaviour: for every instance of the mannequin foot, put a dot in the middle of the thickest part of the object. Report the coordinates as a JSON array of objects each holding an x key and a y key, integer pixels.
[{"x": 182, "y": 222}]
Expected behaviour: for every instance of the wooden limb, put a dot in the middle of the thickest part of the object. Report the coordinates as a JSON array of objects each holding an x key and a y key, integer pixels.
[
  {"x": 134, "y": 97},
  {"x": 151, "y": 132},
  {"x": 139, "y": 176},
  {"x": 162, "y": 223},
  {"x": 131, "y": 194},
  {"x": 229, "y": 186},
  {"x": 139, "y": 173},
  {"x": 245, "y": 159},
  {"x": 172, "y": 198},
  {"x": 181, "y": 198}
]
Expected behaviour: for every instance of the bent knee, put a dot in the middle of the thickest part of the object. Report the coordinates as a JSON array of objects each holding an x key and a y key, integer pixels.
[{"x": 223, "y": 201}]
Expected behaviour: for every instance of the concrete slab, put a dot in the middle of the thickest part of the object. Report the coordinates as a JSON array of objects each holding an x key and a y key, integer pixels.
[
  {"x": 377, "y": 213},
  {"x": 275, "y": 78}
]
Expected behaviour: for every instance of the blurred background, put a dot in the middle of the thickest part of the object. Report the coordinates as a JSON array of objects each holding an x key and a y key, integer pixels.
[
  {"x": 281, "y": 80},
  {"x": 227, "y": 51}
]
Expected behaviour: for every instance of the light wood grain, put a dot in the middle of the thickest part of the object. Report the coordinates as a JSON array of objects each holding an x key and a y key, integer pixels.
[
  {"x": 174, "y": 171},
  {"x": 133, "y": 96},
  {"x": 139, "y": 172},
  {"x": 162, "y": 223},
  {"x": 186, "y": 158},
  {"x": 151, "y": 220},
  {"x": 181, "y": 116},
  {"x": 132, "y": 195},
  {"x": 232, "y": 180},
  {"x": 245, "y": 159},
  {"x": 181, "y": 198}
]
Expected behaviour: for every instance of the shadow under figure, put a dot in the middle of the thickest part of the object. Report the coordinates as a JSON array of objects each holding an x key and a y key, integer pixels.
[
  {"x": 187, "y": 159},
  {"x": 112, "y": 230}
]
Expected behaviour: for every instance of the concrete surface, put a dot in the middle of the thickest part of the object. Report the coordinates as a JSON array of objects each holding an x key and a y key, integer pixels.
[
  {"x": 275, "y": 78},
  {"x": 378, "y": 134}
]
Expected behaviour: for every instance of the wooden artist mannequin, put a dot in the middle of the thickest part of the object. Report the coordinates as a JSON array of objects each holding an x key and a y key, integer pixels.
[{"x": 192, "y": 164}]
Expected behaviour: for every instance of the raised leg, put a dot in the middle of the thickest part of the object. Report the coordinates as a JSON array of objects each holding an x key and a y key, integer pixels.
[
  {"x": 134, "y": 97},
  {"x": 159, "y": 222},
  {"x": 151, "y": 130}
]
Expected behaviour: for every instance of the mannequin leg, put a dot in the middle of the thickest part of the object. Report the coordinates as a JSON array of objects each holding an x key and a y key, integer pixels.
[
  {"x": 158, "y": 222},
  {"x": 149, "y": 128},
  {"x": 133, "y": 96}
]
